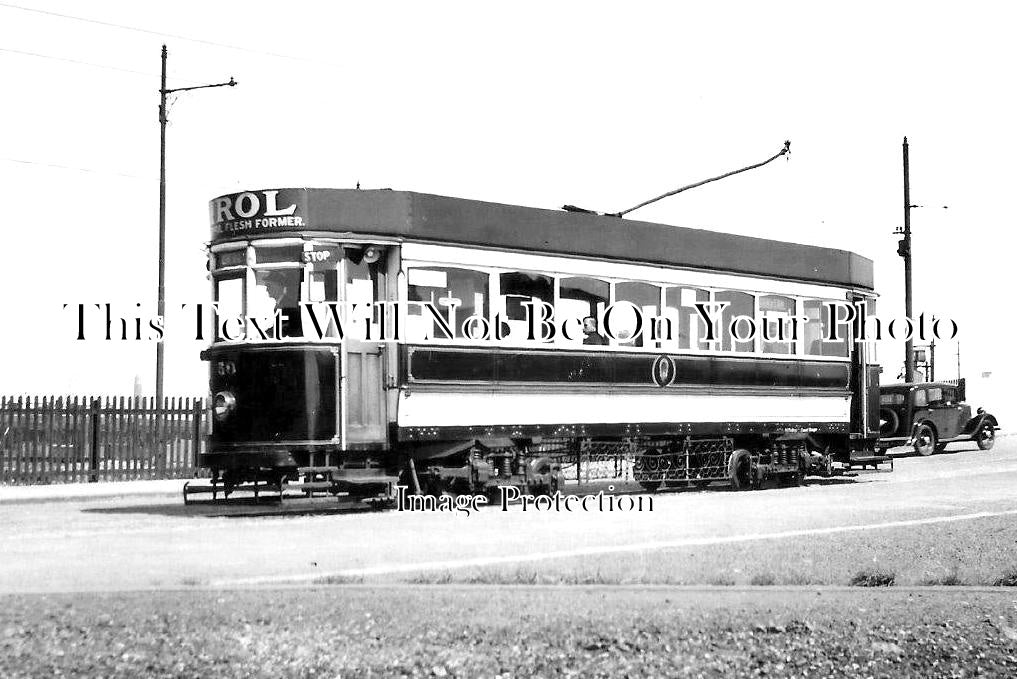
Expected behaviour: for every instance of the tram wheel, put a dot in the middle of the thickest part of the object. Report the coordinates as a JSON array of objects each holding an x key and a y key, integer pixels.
[
  {"x": 925, "y": 440},
  {"x": 740, "y": 470}
]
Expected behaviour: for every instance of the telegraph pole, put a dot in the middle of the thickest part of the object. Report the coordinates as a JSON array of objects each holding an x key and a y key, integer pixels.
[
  {"x": 904, "y": 250},
  {"x": 159, "y": 348}
]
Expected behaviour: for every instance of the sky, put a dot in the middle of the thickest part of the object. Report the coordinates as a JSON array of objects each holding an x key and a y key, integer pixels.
[{"x": 601, "y": 105}]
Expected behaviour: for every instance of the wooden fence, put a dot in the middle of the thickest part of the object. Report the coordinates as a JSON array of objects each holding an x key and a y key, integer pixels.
[{"x": 65, "y": 439}]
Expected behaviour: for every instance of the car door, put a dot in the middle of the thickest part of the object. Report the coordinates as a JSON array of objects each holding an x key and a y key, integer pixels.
[
  {"x": 959, "y": 412},
  {"x": 944, "y": 412}
]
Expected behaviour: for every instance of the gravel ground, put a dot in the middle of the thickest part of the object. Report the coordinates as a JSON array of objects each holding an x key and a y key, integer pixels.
[
  {"x": 512, "y": 632},
  {"x": 972, "y": 552}
]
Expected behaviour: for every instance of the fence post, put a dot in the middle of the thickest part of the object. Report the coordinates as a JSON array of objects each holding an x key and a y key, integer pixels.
[
  {"x": 197, "y": 415},
  {"x": 94, "y": 431}
]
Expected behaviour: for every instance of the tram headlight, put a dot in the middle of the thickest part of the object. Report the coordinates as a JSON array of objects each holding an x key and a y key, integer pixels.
[
  {"x": 223, "y": 404},
  {"x": 371, "y": 255}
]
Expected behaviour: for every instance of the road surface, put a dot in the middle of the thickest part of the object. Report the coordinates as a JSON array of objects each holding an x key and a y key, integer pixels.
[{"x": 140, "y": 543}]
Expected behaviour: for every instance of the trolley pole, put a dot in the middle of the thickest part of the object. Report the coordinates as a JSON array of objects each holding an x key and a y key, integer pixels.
[
  {"x": 161, "y": 309},
  {"x": 904, "y": 250}
]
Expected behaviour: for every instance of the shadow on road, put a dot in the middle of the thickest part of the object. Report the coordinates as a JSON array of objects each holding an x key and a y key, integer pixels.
[
  {"x": 247, "y": 507},
  {"x": 903, "y": 452},
  {"x": 238, "y": 508}
]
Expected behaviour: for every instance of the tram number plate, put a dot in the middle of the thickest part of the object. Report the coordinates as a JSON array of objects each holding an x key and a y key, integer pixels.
[{"x": 664, "y": 371}]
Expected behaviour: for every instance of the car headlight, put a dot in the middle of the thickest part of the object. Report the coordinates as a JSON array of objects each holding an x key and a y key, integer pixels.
[{"x": 223, "y": 404}]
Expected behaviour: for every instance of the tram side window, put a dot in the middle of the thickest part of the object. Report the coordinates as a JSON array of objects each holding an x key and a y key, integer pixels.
[
  {"x": 777, "y": 311},
  {"x": 581, "y": 304},
  {"x": 518, "y": 287},
  {"x": 442, "y": 287},
  {"x": 817, "y": 315},
  {"x": 689, "y": 327},
  {"x": 278, "y": 290},
  {"x": 632, "y": 328},
  {"x": 739, "y": 304}
]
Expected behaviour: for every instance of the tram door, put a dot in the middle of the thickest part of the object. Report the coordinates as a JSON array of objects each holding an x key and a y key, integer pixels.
[
  {"x": 362, "y": 388},
  {"x": 865, "y": 382}
]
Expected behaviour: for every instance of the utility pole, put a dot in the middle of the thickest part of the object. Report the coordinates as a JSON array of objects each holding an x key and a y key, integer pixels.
[
  {"x": 161, "y": 311},
  {"x": 159, "y": 348},
  {"x": 904, "y": 250}
]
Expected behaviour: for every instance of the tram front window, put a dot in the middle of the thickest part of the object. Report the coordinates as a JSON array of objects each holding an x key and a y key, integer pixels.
[
  {"x": 278, "y": 290},
  {"x": 229, "y": 296}
]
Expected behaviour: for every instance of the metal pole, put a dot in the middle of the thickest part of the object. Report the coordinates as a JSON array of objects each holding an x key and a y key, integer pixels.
[
  {"x": 909, "y": 354},
  {"x": 159, "y": 349}
]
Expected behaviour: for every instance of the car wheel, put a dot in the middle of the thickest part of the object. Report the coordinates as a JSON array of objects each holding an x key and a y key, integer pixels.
[
  {"x": 925, "y": 440},
  {"x": 985, "y": 437}
]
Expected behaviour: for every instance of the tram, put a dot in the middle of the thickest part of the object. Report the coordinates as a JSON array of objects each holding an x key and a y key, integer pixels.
[{"x": 632, "y": 379}]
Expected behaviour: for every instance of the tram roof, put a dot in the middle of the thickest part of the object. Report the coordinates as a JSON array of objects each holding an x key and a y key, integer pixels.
[{"x": 411, "y": 216}]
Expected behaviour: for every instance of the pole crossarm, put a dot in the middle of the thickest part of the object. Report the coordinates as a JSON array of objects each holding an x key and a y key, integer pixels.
[
  {"x": 783, "y": 152},
  {"x": 231, "y": 83}
]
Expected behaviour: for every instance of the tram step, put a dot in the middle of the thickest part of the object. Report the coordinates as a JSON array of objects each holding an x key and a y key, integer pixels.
[
  {"x": 870, "y": 459},
  {"x": 317, "y": 470},
  {"x": 196, "y": 489},
  {"x": 310, "y": 486},
  {"x": 874, "y": 460}
]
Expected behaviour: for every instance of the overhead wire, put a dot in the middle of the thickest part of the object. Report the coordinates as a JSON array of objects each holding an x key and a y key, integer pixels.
[
  {"x": 110, "y": 24},
  {"x": 89, "y": 63},
  {"x": 76, "y": 169}
]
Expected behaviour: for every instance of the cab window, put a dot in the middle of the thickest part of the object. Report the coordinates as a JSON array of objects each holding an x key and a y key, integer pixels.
[
  {"x": 278, "y": 290},
  {"x": 278, "y": 278},
  {"x": 921, "y": 398},
  {"x": 229, "y": 298}
]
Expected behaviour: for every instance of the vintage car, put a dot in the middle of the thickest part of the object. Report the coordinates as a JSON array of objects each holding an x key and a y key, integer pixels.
[{"x": 929, "y": 415}]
